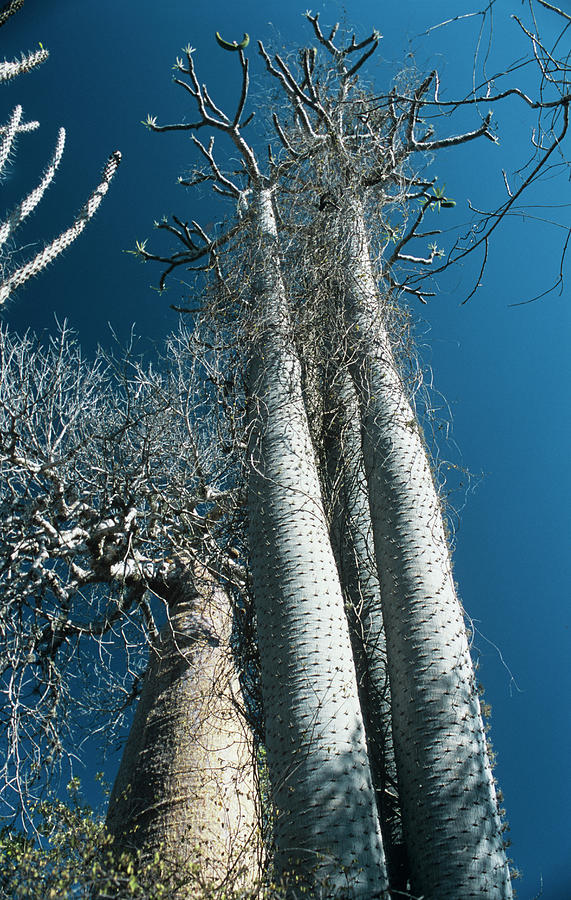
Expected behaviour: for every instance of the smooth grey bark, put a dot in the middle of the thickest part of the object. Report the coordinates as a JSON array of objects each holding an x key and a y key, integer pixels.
[
  {"x": 347, "y": 501},
  {"x": 186, "y": 784},
  {"x": 449, "y": 806},
  {"x": 326, "y": 824}
]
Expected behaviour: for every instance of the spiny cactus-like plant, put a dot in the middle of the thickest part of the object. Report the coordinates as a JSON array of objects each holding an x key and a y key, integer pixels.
[
  {"x": 28, "y": 61},
  {"x": 55, "y": 247},
  {"x": 8, "y": 9},
  {"x": 9, "y": 281}
]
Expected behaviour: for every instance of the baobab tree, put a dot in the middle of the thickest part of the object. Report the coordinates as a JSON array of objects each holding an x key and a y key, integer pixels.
[
  {"x": 449, "y": 809},
  {"x": 343, "y": 161},
  {"x": 380, "y": 782},
  {"x": 326, "y": 815},
  {"x": 110, "y": 497},
  {"x": 76, "y": 576}
]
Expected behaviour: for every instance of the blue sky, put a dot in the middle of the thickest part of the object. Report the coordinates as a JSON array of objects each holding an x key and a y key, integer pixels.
[{"x": 503, "y": 371}]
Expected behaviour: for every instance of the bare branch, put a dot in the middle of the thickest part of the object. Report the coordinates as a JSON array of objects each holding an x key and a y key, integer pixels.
[
  {"x": 482, "y": 131},
  {"x": 555, "y": 9},
  {"x": 558, "y": 282},
  {"x": 229, "y": 189},
  {"x": 362, "y": 60}
]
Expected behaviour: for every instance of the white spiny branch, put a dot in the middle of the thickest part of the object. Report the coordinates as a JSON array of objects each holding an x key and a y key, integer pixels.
[
  {"x": 50, "y": 251},
  {"x": 10, "y": 70}
]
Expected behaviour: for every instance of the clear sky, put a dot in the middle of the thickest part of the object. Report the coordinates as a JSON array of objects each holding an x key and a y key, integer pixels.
[{"x": 502, "y": 372}]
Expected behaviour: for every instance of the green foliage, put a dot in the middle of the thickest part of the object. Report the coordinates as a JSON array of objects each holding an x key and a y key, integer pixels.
[
  {"x": 73, "y": 856},
  {"x": 233, "y": 45},
  {"x": 438, "y": 201}
]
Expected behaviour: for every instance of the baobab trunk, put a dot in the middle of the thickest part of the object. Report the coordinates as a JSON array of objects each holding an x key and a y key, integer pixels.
[
  {"x": 326, "y": 824},
  {"x": 186, "y": 785},
  {"x": 450, "y": 813},
  {"x": 347, "y": 502}
]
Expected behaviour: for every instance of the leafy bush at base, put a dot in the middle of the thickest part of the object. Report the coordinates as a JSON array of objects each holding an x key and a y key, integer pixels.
[{"x": 72, "y": 856}]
